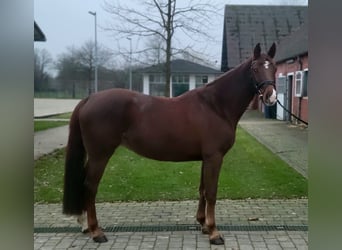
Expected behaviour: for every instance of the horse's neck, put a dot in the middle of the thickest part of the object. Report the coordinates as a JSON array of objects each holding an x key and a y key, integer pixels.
[{"x": 233, "y": 92}]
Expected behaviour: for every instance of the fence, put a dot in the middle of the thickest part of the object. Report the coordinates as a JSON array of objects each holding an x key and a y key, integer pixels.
[{"x": 78, "y": 89}]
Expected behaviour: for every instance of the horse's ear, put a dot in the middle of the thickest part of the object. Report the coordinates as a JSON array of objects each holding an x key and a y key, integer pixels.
[
  {"x": 271, "y": 52},
  {"x": 257, "y": 51}
]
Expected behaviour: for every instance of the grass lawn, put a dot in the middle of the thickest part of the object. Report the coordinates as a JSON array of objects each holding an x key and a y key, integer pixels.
[
  {"x": 249, "y": 170},
  {"x": 42, "y": 125},
  {"x": 62, "y": 116},
  {"x": 46, "y": 124}
]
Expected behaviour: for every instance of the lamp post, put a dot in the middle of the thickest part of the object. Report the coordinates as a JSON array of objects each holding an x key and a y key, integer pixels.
[
  {"x": 95, "y": 57},
  {"x": 130, "y": 63}
]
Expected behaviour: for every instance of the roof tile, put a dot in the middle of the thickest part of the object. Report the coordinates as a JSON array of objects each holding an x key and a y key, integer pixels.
[
  {"x": 247, "y": 25},
  {"x": 182, "y": 66}
]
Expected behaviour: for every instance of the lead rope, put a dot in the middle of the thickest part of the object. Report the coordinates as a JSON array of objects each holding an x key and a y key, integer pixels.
[{"x": 281, "y": 105}]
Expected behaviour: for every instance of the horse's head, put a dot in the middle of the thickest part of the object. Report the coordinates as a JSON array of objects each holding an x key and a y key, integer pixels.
[{"x": 263, "y": 74}]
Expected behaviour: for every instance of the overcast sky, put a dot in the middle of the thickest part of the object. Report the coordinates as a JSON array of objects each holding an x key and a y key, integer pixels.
[{"x": 67, "y": 22}]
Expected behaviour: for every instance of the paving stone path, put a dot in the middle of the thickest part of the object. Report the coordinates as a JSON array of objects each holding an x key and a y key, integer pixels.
[{"x": 260, "y": 225}]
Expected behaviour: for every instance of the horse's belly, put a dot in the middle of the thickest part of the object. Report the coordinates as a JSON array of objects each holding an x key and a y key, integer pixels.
[
  {"x": 163, "y": 149},
  {"x": 166, "y": 155}
]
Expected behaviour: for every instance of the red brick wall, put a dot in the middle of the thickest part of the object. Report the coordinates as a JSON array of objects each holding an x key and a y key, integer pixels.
[{"x": 285, "y": 68}]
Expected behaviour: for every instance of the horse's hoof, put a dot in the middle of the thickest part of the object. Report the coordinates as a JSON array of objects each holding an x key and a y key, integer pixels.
[
  {"x": 86, "y": 231},
  {"x": 100, "y": 239},
  {"x": 217, "y": 241},
  {"x": 205, "y": 230}
]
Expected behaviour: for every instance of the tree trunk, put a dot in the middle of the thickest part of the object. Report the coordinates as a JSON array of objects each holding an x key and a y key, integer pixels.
[
  {"x": 168, "y": 49},
  {"x": 168, "y": 69}
]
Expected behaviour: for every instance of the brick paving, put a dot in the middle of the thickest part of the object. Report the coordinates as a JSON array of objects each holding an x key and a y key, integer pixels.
[
  {"x": 228, "y": 212},
  {"x": 259, "y": 212},
  {"x": 175, "y": 241}
]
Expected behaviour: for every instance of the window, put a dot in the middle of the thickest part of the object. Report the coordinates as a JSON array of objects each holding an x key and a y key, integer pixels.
[
  {"x": 299, "y": 83},
  {"x": 181, "y": 79},
  {"x": 201, "y": 80},
  {"x": 157, "y": 84},
  {"x": 305, "y": 82},
  {"x": 180, "y": 84},
  {"x": 281, "y": 84},
  {"x": 157, "y": 79}
]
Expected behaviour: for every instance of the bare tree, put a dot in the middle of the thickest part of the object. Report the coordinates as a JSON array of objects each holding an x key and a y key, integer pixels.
[
  {"x": 162, "y": 18},
  {"x": 68, "y": 65},
  {"x": 153, "y": 53},
  {"x": 79, "y": 62},
  {"x": 42, "y": 60},
  {"x": 86, "y": 56}
]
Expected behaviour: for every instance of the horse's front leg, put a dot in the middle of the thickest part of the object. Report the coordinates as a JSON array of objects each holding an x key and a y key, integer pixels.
[
  {"x": 211, "y": 170},
  {"x": 200, "y": 216},
  {"x": 94, "y": 171}
]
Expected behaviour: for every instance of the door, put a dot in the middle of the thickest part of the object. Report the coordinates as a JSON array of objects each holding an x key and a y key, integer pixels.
[
  {"x": 281, "y": 90},
  {"x": 288, "y": 96}
]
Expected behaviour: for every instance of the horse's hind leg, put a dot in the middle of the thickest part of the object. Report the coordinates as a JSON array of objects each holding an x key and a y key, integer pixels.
[
  {"x": 94, "y": 172},
  {"x": 83, "y": 221}
]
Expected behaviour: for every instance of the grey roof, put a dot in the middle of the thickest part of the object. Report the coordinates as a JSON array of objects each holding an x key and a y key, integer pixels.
[
  {"x": 247, "y": 25},
  {"x": 38, "y": 34},
  {"x": 294, "y": 44},
  {"x": 182, "y": 66}
]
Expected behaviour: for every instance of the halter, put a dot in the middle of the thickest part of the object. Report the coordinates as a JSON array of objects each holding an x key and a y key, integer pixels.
[{"x": 259, "y": 85}]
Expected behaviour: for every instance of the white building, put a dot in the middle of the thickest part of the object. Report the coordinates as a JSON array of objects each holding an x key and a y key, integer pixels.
[{"x": 185, "y": 76}]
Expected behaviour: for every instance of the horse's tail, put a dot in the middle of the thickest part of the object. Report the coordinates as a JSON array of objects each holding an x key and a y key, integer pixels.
[{"x": 74, "y": 171}]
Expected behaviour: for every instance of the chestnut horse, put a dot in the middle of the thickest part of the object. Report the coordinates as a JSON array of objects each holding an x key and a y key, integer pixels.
[{"x": 198, "y": 125}]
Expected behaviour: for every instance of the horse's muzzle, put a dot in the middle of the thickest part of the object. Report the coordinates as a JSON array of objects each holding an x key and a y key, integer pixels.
[{"x": 269, "y": 100}]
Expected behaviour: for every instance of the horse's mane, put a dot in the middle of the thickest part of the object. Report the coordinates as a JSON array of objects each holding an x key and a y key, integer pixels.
[{"x": 230, "y": 72}]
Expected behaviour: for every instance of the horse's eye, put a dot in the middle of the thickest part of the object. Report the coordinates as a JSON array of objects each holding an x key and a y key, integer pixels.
[{"x": 255, "y": 70}]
